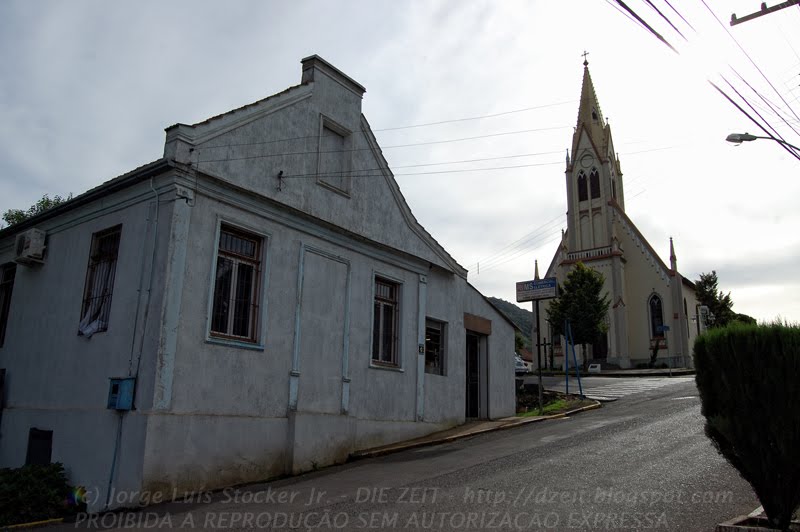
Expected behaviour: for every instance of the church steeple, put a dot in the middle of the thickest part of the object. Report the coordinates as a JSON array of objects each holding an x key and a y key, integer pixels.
[{"x": 590, "y": 117}]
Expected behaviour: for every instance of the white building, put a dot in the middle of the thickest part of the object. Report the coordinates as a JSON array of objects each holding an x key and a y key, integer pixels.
[
  {"x": 651, "y": 303},
  {"x": 268, "y": 290}
]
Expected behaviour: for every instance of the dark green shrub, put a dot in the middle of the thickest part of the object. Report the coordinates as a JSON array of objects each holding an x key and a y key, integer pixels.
[
  {"x": 34, "y": 493},
  {"x": 747, "y": 376}
]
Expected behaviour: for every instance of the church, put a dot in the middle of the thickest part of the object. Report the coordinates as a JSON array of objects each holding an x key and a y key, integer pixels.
[{"x": 651, "y": 303}]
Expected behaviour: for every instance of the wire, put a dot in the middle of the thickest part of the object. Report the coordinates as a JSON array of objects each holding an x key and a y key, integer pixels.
[
  {"x": 382, "y": 147},
  {"x": 749, "y": 58},
  {"x": 646, "y": 25},
  {"x": 775, "y": 131},
  {"x": 515, "y": 245},
  {"x": 767, "y": 102},
  {"x": 475, "y": 117},
  {"x": 615, "y": 6},
  {"x": 394, "y": 128},
  {"x": 681, "y": 16},
  {"x": 751, "y": 118},
  {"x": 667, "y": 19}
]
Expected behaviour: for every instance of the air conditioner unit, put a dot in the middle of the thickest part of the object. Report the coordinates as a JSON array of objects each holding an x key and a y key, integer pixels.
[{"x": 30, "y": 246}]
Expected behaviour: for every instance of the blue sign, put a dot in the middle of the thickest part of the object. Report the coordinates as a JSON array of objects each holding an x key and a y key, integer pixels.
[
  {"x": 537, "y": 289},
  {"x": 662, "y": 328}
]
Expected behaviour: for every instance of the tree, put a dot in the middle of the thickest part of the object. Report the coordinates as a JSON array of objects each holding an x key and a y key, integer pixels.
[
  {"x": 519, "y": 341},
  {"x": 15, "y": 216},
  {"x": 719, "y": 304},
  {"x": 580, "y": 301}
]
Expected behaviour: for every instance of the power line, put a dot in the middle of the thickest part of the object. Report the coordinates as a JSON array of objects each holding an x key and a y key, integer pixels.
[
  {"x": 756, "y": 122},
  {"x": 284, "y": 154},
  {"x": 681, "y": 16},
  {"x": 475, "y": 117},
  {"x": 365, "y": 171},
  {"x": 646, "y": 25},
  {"x": 749, "y": 58},
  {"x": 503, "y": 252},
  {"x": 666, "y": 18},
  {"x": 767, "y": 102},
  {"x": 303, "y": 137},
  {"x": 432, "y": 172}
]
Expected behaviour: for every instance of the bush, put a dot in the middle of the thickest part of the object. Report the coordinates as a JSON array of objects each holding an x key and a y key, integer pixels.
[
  {"x": 747, "y": 378},
  {"x": 34, "y": 493}
]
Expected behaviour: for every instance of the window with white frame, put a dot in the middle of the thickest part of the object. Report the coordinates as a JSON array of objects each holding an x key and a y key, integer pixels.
[
  {"x": 234, "y": 314},
  {"x": 99, "y": 287},
  {"x": 435, "y": 340},
  {"x": 385, "y": 321}
]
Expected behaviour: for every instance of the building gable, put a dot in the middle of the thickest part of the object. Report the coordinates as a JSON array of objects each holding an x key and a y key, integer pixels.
[{"x": 311, "y": 149}]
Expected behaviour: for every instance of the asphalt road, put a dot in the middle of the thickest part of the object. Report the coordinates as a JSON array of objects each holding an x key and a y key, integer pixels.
[{"x": 639, "y": 463}]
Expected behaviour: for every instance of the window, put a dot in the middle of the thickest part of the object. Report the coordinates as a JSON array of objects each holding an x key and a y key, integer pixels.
[
  {"x": 40, "y": 447},
  {"x": 594, "y": 183},
  {"x": 435, "y": 339},
  {"x": 582, "y": 193},
  {"x": 613, "y": 189},
  {"x": 7, "y": 273},
  {"x": 656, "y": 317},
  {"x": 335, "y": 154},
  {"x": 384, "y": 324},
  {"x": 99, "y": 282},
  {"x": 234, "y": 313}
]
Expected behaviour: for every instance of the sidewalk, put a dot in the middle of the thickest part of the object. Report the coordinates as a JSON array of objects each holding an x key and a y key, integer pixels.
[{"x": 471, "y": 428}]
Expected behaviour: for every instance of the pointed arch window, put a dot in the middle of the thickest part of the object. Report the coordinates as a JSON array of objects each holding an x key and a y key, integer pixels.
[
  {"x": 656, "y": 317},
  {"x": 594, "y": 183},
  {"x": 613, "y": 188},
  {"x": 583, "y": 194}
]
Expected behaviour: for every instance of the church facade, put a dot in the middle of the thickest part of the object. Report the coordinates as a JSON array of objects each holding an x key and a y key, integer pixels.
[{"x": 651, "y": 304}]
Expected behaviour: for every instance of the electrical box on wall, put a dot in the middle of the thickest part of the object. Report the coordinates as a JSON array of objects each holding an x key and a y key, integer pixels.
[{"x": 120, "y": 393}]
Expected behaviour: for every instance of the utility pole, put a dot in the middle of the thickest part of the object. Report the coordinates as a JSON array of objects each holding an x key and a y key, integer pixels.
[
  {"x": 764, "y": 11},
  {"x": 538, "y": 340}
]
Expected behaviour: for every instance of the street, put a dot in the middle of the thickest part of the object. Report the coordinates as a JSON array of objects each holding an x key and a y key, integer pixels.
[{"x": 639, "y": 463}]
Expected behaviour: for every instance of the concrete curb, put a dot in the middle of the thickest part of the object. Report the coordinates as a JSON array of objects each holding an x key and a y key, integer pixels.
[
  {"x": 511, "y": 423},
  {"x": 33, "y": 524}
]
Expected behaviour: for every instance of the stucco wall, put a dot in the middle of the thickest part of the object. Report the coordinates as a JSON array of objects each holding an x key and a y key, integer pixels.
[
  {"x": 59, "y": 381},
  {"x": 247, "y": 390},
  {"x": 644, "y": 277}
]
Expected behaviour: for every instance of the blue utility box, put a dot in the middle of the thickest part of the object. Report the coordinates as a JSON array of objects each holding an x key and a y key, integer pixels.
[{"x": 120, "y": 393}]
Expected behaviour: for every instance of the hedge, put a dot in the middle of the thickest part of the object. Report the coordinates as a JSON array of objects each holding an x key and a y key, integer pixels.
[
  {"x": 35, "y": 493},
  {"x": 747, "y": 376}
]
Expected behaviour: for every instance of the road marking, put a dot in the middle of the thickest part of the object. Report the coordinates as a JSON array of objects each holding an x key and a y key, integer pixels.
[{"x": 610, "y": 392}]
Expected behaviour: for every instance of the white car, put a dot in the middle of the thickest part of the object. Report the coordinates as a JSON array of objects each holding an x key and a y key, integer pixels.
[{"x": 520, "y": 368}]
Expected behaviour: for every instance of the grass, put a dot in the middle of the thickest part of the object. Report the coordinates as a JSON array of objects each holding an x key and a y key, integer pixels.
[{"x": 556, "y": 407}]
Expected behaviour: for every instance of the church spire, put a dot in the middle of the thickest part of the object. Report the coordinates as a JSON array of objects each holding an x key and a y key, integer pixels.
[
  {"x": 589, "y": 115},
  {"x": 673, "y": 260}
]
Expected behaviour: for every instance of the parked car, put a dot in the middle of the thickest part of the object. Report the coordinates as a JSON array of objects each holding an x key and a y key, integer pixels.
[{"x": 520, "y": 368}]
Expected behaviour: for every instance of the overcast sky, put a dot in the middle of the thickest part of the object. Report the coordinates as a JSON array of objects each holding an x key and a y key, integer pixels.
[{"x": 87, "y": 88}]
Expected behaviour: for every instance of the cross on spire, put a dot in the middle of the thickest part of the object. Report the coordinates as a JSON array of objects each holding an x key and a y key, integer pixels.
[{"x": 585, "y": 61}]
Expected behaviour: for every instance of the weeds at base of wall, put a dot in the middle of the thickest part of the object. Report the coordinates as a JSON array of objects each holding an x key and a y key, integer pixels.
[{"x": 37, "y": 492}]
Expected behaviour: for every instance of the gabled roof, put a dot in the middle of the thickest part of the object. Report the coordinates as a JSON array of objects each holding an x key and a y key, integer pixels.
[
  {"x": 635, "y": 230},
  {"x": 412, "y": 221}
]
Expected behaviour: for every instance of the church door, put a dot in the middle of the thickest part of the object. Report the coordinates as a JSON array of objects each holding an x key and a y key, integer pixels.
[{"x": 600, "y": 347}]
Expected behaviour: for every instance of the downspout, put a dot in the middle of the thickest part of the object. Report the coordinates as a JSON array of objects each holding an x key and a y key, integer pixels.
[{"x": 135, "y": 373}]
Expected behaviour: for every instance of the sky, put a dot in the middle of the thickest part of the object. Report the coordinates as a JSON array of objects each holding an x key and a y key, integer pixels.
[{"x": 87, "y": 88}]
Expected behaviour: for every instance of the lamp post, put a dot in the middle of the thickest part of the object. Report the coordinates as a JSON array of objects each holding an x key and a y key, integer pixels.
[{"x": 738, "y": 138}]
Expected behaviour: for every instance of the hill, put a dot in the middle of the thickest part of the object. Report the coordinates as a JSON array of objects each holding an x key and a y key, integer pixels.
[{"x": 522, "y": 318}]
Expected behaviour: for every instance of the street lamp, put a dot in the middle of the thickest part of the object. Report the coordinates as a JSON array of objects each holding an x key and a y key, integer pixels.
[{"x": 738, "y": 138}]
